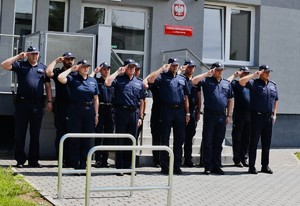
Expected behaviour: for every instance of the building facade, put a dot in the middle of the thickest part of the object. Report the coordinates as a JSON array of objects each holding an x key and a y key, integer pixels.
[{"x": 234, "y": 32}]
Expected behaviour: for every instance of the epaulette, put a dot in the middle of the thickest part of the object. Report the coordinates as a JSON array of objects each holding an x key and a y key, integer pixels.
[
  {"x": 273, "y": 82},
  {"x": 182, "y": 75},
  {"x": 139, "y": 78},
  {"x": 226, "y": 80}
]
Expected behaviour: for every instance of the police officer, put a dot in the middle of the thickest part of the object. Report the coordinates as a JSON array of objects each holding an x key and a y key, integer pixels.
[
  {"x": 29, "y": 103},
  {"x": 195, "y": 107},
  {"x": 263, "y": 105},
  {"x": 241, "y": 119},
  {"x": 155, "y": 119},
  {"x": 174, "y": 93},
  {"x": 137, "y": 74},
  {"x": 129, "y": 107},
  {"x": 106, "y": 123},
  {"x": 217, "y": 101},
  {"x": 83, "y": 107},
  {"x": 61, "y": 99}
]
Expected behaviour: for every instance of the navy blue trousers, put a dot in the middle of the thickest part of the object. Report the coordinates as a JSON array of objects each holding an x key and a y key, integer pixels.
[
  {"x": 240, "y": 136},
  {"x": 155, "y": 123},
  {"x": 190, "y": 131},
  {"x": 80, "y": 119},
  {"x": 172, "y": 118},
  {"x": 214, "y": 128},
  {"x": 32, "y": 114},
  {"x": 60, "y": 111},
  {"x": 261, "y": 127},
  {"x": 105, "y": 125},
  {"x": 126, "y": 122}
]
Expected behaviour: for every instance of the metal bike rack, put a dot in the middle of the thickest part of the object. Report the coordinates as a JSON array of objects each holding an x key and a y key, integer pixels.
[
  {"x": 131, "y": 188},
  {"x": 62, "y": 171}
]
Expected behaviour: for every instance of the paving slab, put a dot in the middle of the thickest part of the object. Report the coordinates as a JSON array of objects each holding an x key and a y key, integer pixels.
[{"x": 236, "y": 187}]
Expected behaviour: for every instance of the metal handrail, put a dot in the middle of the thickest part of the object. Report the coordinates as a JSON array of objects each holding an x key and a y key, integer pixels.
[
  {"x": 186, "y": 49},
  {"x": 132, "y": 188},
  {"x": 85, "y": 135}
]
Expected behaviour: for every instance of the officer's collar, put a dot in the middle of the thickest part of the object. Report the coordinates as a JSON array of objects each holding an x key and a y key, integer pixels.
[
  {"x": 125, "y": 75},
  {"x": 215, "y": 79}
]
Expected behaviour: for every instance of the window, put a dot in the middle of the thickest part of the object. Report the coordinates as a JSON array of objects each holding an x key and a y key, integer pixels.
[
  {"x": 228, "y": 34},
  {"x": 23, "y": 17},
  {"x": 57, "y": 20},
  {"x": 93, "y": 16}
]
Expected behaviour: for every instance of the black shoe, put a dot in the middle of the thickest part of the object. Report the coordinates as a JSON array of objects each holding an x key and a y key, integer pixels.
[
  {"x": 120, "y": 174},
  {"x": 238, "y": 164},
  {"x": 165, "y": 171},
  {"x": 206, "y": 172},
  {"x": 105, "y": 164},
  {"x": 266, "y": 170},
  {"x": 252, "y": 170},
  {"x": 177, "y": 171},
  {"x": 97, "y": 164},
  {"x": 189, "y": 164},
  {"x": 35, "y": 165},
  {"x": 19, "y": 165},
  {"x": 218, "y": 171},
  {"x": 245, "y": 163}
]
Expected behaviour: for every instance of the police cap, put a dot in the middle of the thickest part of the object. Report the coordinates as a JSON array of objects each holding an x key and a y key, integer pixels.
[
  {"x": 68, "y": 55},
  {"x": 105, "y": 65},
  {"x": 190, "y": 63},
  {"x": 83, "y": 63},
  {"x": 173, "y": 61},
  {"x": 265, "y": 68},
  {"x": 129, "y": 62},
  {"x": 32, "y": 49},
  {"x": 217, "y": 65},
  {"x": 245, "y": 69}
]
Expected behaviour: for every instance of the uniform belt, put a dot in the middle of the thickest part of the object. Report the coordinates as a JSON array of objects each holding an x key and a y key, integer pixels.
[
  {"x": 129, "y": 107},
  {"x": 216, "y": 113},
  {"x": 105, "y": 104},
  {"x": 264, "y": 114},
  {"x": 173, "y": 106},
  {"x": 84, "y": 104}
]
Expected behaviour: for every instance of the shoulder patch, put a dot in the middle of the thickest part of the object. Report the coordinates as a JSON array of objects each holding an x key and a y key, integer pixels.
[
  {"x": 273, "y": 82},
  {"x": 226, "y": 80},
  {"x": 139, "y": 78}
]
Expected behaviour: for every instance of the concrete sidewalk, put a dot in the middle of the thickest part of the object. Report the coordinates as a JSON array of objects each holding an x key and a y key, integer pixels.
[{"x": 236, "y": 187}]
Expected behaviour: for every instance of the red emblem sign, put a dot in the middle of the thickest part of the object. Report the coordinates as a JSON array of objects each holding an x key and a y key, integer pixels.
[
  {"x": 179, "y": 30},
  {"x": 178, "y": 10}
]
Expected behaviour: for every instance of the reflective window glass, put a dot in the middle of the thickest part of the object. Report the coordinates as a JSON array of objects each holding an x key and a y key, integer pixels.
[
  {"x": 212, "y": 35},
  {"x": 240, "y": 35},
  {"x": 128, "y": 30},
  {"x": 93, "y": 16},
  {"x": 23, "y": 17},
  {"x": 56, "y": 16}
]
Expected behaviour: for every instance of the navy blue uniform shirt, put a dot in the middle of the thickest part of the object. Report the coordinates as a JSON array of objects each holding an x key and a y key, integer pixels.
[
  {"x": 30, "y": 79},
  {"x": 263, "y": 96},
  {"x": 61, "y": 90},
  {"x": 216, "y": 94},
  {"x": 128, "y": 92},
  {"x": 193, "y": 97},
  {"x": 172, "y": 89},
  {"x": 153, "y": 87},
  {"x": 106, "y": 93},
  {"x": 82, "y": 90},
  {"x": 241, "y": 97}
]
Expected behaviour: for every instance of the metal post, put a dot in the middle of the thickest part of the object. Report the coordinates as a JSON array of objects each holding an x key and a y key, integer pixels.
[{"x": 83, "y": 135}]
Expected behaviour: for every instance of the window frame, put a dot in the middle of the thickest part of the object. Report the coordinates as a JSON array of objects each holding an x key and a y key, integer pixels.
[
  {"x": 226, "y": 27},
  {"x": 66, "y": 13},
  {"x": 93, "y": 6}
]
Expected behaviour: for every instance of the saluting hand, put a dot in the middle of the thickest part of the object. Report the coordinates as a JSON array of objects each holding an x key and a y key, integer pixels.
[
  {"x": 59, "y": 60},
  {"x": 210, "y": 72},
  {"x": 165, "y": 67},
  {"x": 122, "y": 70},
  {"x": 258, "y": 73},
  {"x": 97, "y": 69},
  {"x": 75, "y": 67},
  {"x": 22, "y": 55}
]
